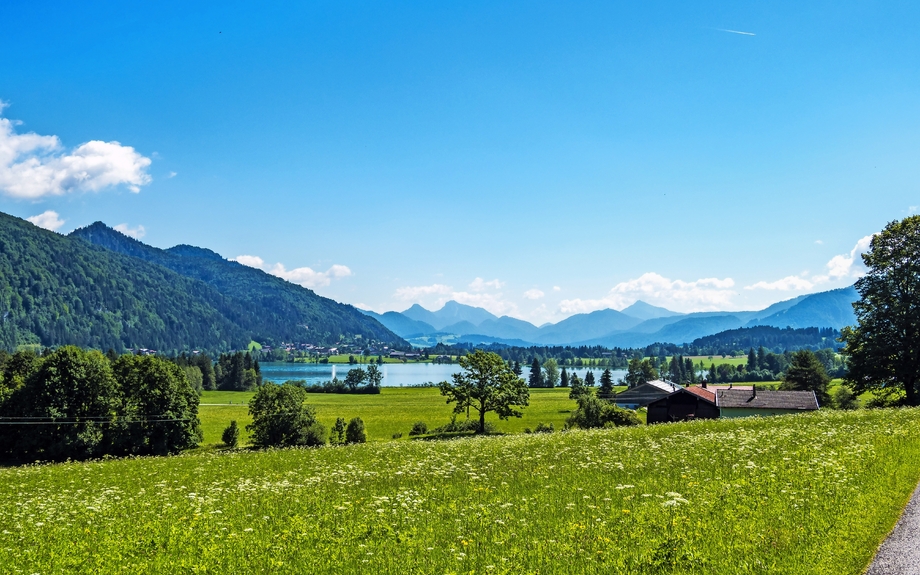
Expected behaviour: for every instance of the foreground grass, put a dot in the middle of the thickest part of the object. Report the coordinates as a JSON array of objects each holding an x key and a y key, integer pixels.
[
  {"x": 394, "y": 410},
  {"x": 809, "y": 493}
]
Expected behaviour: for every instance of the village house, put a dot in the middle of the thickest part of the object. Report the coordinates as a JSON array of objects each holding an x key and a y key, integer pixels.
[
  {"x": 698, "y": 402},
  {"x": 643, "y": 394}
]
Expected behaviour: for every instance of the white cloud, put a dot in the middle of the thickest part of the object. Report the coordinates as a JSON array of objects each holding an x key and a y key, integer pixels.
[
  {"x": 136, "y": 233},
  {"x": 479, "y": 284},
  {"x": 171, "y": 175},
  {"x": 700, "y": 295},
  {"x": 251, "y": 261},
  {"x": 819, "y": 242},
  {"x": 788, "y": 283},
  {"x": 306, "y": 277},
  {"x": 912, "y": 209},
  {"x": 414, "y": 293},
  {"x": 49, "y": 220},
  {"x": 34, "y": 166},
  {"x": 533, "y": 294},
  {"x": 849, "y": 265},
  {"x": 557, "y": 288}
]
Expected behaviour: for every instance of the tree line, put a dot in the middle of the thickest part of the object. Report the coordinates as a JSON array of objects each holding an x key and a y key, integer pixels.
[{"x": 72, "y": 403}]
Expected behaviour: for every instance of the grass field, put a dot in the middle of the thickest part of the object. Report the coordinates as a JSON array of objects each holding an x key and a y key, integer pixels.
[
  {"x": 797, "y": 494},
  {"x": 394, "y": 410},
  {"x": 717, "y": 360}
]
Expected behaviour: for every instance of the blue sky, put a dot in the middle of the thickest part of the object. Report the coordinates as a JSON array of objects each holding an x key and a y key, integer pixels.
[{"x": 536, "y": 159}]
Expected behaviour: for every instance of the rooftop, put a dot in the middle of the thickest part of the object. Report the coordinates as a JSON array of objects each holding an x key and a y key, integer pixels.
[{"x": 763, "y": 399}]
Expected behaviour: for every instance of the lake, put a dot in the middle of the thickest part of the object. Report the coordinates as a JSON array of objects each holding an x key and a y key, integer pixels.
[{"x": 394, "y": 374}]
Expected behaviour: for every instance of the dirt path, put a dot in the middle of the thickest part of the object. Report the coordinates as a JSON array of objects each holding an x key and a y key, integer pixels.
[{"x": 900, "y": 553}]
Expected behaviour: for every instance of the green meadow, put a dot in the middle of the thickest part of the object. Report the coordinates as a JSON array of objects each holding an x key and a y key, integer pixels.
[
  {"x": 393, "y": 411},
  {"x": 801, "y": 494}
]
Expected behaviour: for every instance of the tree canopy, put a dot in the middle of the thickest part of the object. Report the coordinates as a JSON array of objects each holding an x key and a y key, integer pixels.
[
  {"x": 486, "y": 384},
  {"x": 883, "y": 349},
  {"x": 807, "y": 373}
]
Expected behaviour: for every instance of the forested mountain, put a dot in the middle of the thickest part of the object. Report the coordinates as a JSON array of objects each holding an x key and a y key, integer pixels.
[
  {"x": 57, "y": 290},
  {"x": 285, "y": 311}
]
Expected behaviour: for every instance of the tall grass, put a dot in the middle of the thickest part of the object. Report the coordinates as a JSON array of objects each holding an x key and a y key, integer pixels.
[{"x": 796, "y": 494}]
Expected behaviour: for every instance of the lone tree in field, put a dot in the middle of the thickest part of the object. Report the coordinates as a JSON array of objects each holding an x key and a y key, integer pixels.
[
  {"x": 280, "y": 418},
  {"x": 807, "y": 373},
  {"x": 883, "y": 350},
  {"x": 486, "y": 384}
]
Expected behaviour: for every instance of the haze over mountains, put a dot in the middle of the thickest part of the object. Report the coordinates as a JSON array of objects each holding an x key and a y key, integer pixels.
[{"x": 638, "y": 325}]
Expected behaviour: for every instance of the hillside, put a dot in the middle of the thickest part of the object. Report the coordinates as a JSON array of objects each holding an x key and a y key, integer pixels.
[
  {"x": 58, "y": 290},
  {"x": 277, "y": 310}
]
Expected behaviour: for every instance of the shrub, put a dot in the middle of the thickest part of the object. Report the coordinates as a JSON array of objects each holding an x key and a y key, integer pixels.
[
  {"x": 397, "y": 435},
  {"x": 354, "y": 433},
  {"x": 419, "y": 428},
  {"x": 337, "y": 434},
  {"x": 280, "y": 418},
  {"x": 543, "y": 428},
  {"x": 593, "y": 412},
  {"x": 844, "y": 398},
  {"x": 231, "y": 435},
  {"x": 462, "y": 426}
]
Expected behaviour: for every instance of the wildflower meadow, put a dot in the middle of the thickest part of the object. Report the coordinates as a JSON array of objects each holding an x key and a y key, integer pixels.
[{"x": 809, "y": 493}]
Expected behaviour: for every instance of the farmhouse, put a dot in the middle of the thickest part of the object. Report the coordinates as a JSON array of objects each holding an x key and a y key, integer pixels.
[
  {"x": 744, "y": 403},
  {"x": 644, "y": 394},
  {"x": 701, "y": 403},
  {"x": 687, "y": 403}
]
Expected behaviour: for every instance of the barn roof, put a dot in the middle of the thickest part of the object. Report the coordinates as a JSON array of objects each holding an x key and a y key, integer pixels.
[
  {"x": 702, "y": 393},
  {"x": 763, "y": 399}
]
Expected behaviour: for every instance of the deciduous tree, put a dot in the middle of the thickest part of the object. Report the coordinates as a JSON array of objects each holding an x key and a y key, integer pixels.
[
  {"x": 486, "y": 384},
  {"x": 883, "y": 350}
]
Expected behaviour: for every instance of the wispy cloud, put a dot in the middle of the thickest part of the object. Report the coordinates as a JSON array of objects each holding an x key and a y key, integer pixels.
[
  {"x": 534, "y": 294},
  {"x": 415, "y": 293},
  {"x": 736, "y": 32},
  {"x": 49, "y": 220},
  {"x": 479, "y": 284},
  {"x": 482, "y": 294},
  {"x": 136, "y": 233},
  {"x": 700, "y": 295},
  {"x": 34, "y": 166},
  {"x": 304, "y": 276},
  {"x": 839, "y": 267}
]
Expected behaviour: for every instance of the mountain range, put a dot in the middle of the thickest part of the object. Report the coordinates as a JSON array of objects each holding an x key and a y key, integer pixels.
[
  {"x": 638, "y": 325},
  {"x": 100, "y": 288}
]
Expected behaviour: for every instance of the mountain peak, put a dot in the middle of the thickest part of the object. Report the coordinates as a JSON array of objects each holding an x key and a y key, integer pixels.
[{"x": 642, "y": 310}]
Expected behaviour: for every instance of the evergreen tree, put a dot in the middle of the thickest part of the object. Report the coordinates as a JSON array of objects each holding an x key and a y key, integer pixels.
[
  {"x": 606, "y": 389},
  {"x": 752, "y": 361},
  {"x": 564, "y": 378},
  {"x": 536, "y": 374},
  {"x": 589, "y": 379}
]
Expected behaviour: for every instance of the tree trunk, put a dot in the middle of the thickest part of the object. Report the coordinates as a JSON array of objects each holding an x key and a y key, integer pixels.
[{"x": 482, "y": 417}]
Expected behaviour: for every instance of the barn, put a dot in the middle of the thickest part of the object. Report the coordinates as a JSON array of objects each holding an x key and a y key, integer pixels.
[
  {"x": 645, "y": 393},
  {"x": 685, "y": 404}
]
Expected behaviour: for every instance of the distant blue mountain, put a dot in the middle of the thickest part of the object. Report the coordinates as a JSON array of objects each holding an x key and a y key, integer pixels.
[
  {"x": 587, "y": 325},
  {"x": 452, "y": 312},
  {"x": 643, "y": 310},
  {"x": 400, "y": 324},
  {"x": 826, "y": 309},
  {"x": 643, "y": 325}
]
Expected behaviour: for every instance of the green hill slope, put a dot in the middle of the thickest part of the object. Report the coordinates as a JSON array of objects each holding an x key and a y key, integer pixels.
[
  {"x": 284, "y": 311},
  {"x": 58, "y": 290}
]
